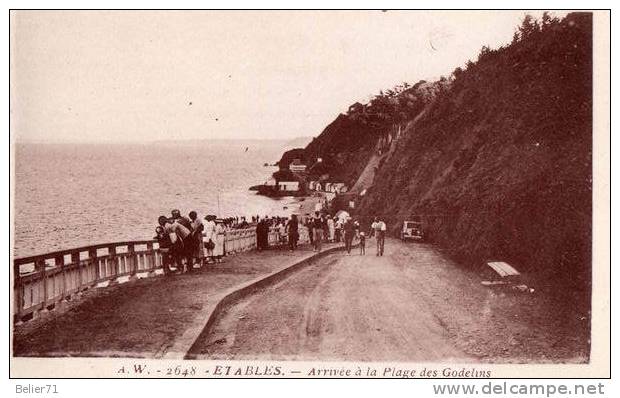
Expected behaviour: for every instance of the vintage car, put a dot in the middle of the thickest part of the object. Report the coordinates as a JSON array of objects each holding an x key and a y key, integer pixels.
[{"x": 412, "y": 229}]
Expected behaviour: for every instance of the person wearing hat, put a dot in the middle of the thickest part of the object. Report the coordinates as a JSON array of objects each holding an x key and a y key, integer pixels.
[
  {"x": 331, "y": 229},
  {"x": 242, "y": 223},
  {"x": 259, "y": 232},
  {"x": 165, "y": 247},
  {"x": 178, "y": 235},
  {"x": 196, "y": 237},
  {"x": 308, "y": 224},
  {"x": 338, "y": 234},
  {"x": 281, "y": 232},
  {"x": 318, "y": 225},
  {"x": 184, "y": 221},
  {"x": 378, "y": 229},
  {"x": 220, "y": 235},
  {"x": 292, "y": 227},
  {"x": 349, "y": 233},
  {"x": 183, "y": 225},
  {"x": 209, "y": 238},
  {"x": 362, "y": 237},
  {"x": 262, "y": 234}
]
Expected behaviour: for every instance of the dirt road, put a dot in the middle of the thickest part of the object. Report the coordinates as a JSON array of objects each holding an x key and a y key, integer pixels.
[{"x": 412, "y": 304}]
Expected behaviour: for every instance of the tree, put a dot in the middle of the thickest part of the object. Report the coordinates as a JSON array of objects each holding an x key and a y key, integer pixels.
[
  {"x": 457, "y": 72},
  {"x": 484, "y": 51},
  {"x": 529, "y": 26},
  {"x": 547, "y": 20}
]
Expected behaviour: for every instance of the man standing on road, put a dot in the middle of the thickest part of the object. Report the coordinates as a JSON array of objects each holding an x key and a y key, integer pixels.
[
  {"x": 262, "y": 234},
  {"x": 349, "y": 233},
  {"x": 308, "y": 224},
  {"x": 292, "y": 228},
  {"x": 378, "y": 228},
  {"x": 317, "y": 229}
]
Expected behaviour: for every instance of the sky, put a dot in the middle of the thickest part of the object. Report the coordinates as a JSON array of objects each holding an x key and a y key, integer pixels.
[{"x": 117, "y": 76}]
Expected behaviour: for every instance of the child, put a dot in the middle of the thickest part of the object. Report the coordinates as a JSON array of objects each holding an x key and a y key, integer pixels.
[
  {"x": 282, "y": 234},
  {"x": 362, "y": 243}
]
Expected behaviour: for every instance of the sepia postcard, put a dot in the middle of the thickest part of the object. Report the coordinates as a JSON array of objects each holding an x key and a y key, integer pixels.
[{"x": 310, "y": 194}]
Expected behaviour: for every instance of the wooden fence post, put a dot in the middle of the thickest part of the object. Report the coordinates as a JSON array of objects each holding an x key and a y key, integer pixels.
[
  {"x": 92, "y": 258},
  {"x": 133, "y": 261},
  {"x": 18, "y": 295},
  {"x": 59, "y": 261},
  {"x": 112, "y": 257},
  {"x": 39, "y": 267},
  {"x": 152, "y": 263},
  {"x": 75, "y": 262}
]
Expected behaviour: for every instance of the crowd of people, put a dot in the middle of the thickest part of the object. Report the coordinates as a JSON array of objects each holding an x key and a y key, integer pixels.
[
  {"x": 287, "y": 232},
  {"x": 324, "y": 227},
  {"x": 189, "y": 241},
  {"x": 186, "y": 242}
]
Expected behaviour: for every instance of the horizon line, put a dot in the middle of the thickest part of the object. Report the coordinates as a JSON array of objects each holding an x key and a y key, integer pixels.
[{"x": 159, "y": 141}]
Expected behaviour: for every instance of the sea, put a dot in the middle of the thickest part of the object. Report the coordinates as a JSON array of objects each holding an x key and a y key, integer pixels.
[{"x": 73, "y": 195}]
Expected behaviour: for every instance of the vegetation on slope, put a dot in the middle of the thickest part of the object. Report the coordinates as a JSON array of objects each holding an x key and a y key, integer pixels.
[
  {"x": 497, "y": 158},
  {"x": 346, "y": 145},
  {"x": 500, "y": 164}
]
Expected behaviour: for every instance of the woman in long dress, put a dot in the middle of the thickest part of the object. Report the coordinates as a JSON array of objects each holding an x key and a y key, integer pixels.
[
  {"x": 196, "y": 252},
  {"x": 331, "y": 228},
  {"x": 209, "y": 236},
  {"x": 220, "y": 235}
]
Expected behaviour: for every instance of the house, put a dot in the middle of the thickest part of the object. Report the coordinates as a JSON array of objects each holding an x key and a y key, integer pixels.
[
  {"x": 338, "y": 187},
  {"x": 288, "y": 186},
  {"x": 314, "y": 186},
  {"x": 335, "y": 187},
  {"x": 329, "y": 196},
  {"x": 271, "y": 182},
  {"x": 296, "y": 166}
]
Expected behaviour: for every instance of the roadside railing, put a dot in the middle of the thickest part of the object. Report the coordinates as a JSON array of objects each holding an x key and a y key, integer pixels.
[{"x": 43, "y": 281}]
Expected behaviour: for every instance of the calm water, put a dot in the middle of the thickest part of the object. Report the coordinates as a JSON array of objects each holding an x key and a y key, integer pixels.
[{"x": 80, "y": 194}]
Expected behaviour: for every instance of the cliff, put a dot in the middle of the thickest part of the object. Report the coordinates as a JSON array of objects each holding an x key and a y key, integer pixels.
[
  {"x": 497, "y": 159},
  {"x": 500, "y": 164},
  {"x": 348, "y": 144}
]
